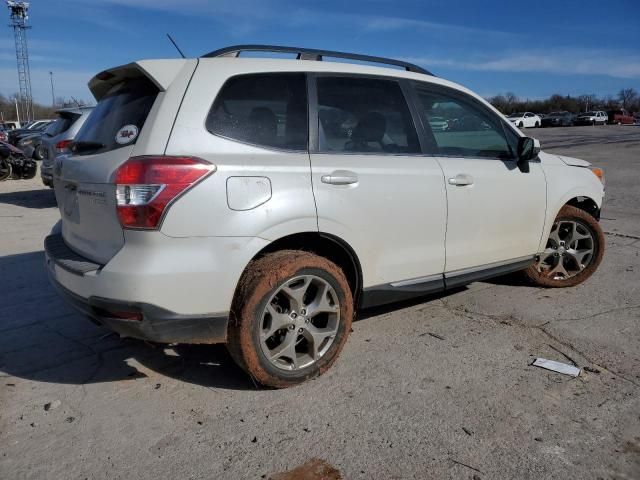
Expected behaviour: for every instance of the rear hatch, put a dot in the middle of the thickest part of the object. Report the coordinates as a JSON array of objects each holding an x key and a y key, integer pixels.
[{"x": 83, "y": 180}]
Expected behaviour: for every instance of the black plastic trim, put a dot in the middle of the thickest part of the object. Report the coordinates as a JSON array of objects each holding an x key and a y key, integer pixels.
[
  {"x": 313, "y": 54},
  {"x": 453, "y": 280},
  {"x": 387, "y": 293},
  {"x": 58, "y": 251},
  {"x": 157, "y": 324}
]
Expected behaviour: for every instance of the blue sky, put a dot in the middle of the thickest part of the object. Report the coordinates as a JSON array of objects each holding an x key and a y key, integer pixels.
[{"x": 533, "y": 49}]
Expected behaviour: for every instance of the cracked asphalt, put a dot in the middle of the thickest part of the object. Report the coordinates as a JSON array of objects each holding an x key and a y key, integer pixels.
[{"x": 436, "y": 388}]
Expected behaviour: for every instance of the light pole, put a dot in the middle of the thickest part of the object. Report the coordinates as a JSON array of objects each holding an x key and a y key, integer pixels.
[{"x": 53, "y": 97}]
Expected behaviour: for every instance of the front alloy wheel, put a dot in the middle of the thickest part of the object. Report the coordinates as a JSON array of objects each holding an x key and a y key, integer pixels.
[{"x": 573, "y": 252}]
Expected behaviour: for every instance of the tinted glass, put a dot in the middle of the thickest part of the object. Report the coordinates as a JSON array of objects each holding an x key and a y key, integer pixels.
[
  {"x": 61, "y": 124},
  {"x": 468, "y": 130},
  {"x": 363, "y": 115},
  {"x": 127, "y": 103},
  {"x": 263, "y": 109}
]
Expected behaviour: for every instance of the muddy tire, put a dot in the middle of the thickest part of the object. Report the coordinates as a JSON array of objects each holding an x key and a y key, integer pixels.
[
  {"x": 573, "y": 252},
  {"x": 290, "y": 318}
]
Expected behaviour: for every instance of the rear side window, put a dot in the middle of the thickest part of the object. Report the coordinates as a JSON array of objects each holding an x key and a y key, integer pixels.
[
  {"x": 364, "y": 115},
  {"x": 118, "y": 117},
  {"x": 268, "y": 110},
  {"x": 61, "y": 124}
]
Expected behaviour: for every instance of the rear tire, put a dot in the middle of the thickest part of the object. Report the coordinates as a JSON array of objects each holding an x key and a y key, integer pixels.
[
  {"x": 573, "y": 252},
  {"x": 290, "y": 318}
]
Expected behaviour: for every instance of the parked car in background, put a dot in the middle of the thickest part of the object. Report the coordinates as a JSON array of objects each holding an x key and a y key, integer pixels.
[
  {"x": 620, "y": 117},
  {"x": 525, "y": 119},
  {"x": 19, "y": 133},
  {"x": 438, "y": 123},
  {"x": 200, "y": 204},
  {"x": 10, "y": 125},
  {"x": 558, "y": 119},
  {"x": 57, "y": 138},
  {"x": 3, "y": 134},
  {"x": 596, "y": 117}
]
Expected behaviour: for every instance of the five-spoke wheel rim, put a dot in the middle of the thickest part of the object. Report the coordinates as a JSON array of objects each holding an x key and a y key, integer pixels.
[
  {"x": 570, "y": 249},
  {"x": 299, "y": 322}
]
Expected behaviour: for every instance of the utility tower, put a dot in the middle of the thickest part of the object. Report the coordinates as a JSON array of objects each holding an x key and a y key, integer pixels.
[{"x": 19, "y": 16}]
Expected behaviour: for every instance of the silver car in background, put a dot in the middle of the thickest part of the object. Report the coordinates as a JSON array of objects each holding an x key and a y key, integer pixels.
[{"x": 57, "y": 138}]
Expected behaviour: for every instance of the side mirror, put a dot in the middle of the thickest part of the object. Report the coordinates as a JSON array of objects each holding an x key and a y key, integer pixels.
[{"x": 528, "y": 149}]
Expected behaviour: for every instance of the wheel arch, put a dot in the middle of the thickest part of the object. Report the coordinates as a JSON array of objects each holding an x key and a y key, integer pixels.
[{"x": 325, "y": 245}]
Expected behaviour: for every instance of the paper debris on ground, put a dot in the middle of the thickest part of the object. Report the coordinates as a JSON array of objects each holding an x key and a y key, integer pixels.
[{"x": 556, "y": 366}]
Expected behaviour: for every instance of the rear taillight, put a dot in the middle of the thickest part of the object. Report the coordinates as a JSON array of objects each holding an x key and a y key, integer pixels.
[
  {"x": 63, "y": 146},
  {"x": 146, "y": 185}
]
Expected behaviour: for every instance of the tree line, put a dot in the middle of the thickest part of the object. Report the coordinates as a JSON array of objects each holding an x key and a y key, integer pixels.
[
  {"x": 626, "y": 98},
  {"x": 8, "y": 107}
]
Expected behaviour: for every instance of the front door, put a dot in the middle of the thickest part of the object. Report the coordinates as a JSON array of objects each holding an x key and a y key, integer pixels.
[
  {"x": 372, "y": 187},
  {"x": 496, "y": 212}
]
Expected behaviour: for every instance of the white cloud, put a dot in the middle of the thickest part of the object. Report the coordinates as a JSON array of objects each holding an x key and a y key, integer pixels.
[{"x": 609, "y": 63}]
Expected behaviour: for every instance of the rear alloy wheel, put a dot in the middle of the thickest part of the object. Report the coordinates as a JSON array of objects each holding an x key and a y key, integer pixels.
[
  {"x": 291, "y": 317},
  {"x": 574, "y": 250}
]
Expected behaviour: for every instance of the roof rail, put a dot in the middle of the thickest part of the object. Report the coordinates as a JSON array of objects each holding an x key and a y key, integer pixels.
[{"x": 312, "y": 54}]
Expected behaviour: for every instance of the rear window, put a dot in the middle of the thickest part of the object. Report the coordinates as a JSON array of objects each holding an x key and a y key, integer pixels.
[
  {"x": 118, "y": 118},
  {"x": 269, "y": 110},
  {"x": 61, "y": 124}
]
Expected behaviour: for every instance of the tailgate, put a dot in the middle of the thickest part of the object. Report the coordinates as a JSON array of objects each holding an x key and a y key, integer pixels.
[{"x": 84, "y": 180}]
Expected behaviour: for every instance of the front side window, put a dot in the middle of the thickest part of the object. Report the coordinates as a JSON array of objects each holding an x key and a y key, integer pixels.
[
  {"x": 268, "y": 110},
  {"x": 468, "y": 130},
  {"x": 364, "y": 115}
]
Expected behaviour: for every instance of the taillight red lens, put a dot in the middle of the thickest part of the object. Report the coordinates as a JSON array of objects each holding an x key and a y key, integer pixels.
[
  {"x": 146, "y": 185},
  {"x": 63, "y": 146}
]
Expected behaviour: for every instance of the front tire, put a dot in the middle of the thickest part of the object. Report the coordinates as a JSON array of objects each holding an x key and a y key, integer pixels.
[
  {"x": 5, "y": 169},
  {"x": 573, "y": 252},
  {"x": 290, "y": 318}
]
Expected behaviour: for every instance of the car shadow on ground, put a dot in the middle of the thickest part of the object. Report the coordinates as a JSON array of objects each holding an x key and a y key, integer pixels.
[
  {"x": 43, "y": 339},
  {"x": 43, "y": 198}
]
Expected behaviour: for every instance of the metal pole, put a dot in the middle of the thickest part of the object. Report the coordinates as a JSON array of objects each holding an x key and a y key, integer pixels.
[
  {"x": 53, "y": 97},
  {"x": 17, "y": 113}
]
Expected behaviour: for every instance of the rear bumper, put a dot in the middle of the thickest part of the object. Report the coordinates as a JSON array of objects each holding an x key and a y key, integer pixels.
[
  {"x": 97, "y": 293},
  {"x": 156, "y": 325}
]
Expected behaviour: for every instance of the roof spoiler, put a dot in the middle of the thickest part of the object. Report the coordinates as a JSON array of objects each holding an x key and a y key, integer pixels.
[{"x": 160, "y": 72}]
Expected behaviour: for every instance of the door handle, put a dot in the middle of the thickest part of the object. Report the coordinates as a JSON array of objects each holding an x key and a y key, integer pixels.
[
  {"x": 340, "y": 177},
  {"x": 461, "y": 180}
]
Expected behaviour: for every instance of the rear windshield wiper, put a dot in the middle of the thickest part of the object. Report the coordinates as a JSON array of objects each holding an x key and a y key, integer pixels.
[{"x": 83, "y": 146}]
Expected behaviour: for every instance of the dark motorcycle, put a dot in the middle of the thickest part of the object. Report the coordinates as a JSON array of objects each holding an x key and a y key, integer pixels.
[{"x": 14, "y": 164}]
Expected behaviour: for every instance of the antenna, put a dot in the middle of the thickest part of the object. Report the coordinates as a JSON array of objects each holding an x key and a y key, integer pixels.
[
  {"x": 175, "y": 45},
  {"x": 19, "y": 14}
]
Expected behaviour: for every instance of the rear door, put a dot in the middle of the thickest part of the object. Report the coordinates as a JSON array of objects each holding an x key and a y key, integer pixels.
[
  {"x": 372, "y": 186},
  {"x": 83, "y": 180},
  {"x": 496, "y": 212}
]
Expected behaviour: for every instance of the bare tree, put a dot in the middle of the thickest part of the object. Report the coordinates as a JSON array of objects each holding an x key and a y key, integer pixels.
[{"x": 627, "y": 97}]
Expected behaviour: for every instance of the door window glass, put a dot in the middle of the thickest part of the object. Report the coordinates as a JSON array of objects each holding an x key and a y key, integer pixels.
[
  {"x": 364, "y": 115},
  {"x": 457, "y": 126}
]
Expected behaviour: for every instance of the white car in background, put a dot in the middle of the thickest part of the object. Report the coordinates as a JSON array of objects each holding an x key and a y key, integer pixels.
[{"x": 525, "y": 119}]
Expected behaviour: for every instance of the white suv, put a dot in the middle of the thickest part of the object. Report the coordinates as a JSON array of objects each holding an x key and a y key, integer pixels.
[{"x": 260, "y": 202}]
